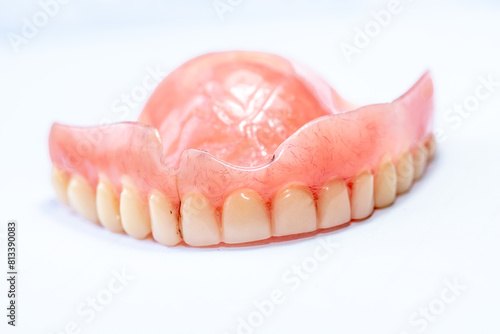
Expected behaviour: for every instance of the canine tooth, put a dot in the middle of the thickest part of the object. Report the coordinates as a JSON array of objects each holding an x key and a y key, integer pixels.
[
  {"x": 293, "y": 211},
  {"x": 385, "y": 184},
  {"x": 81, "y": 197},
  {"x": 333, "y": 204},
  {"x": 431, "y": 147},
  {"x": 135, "y": 218},
  {"x": 404, "y": 172},
  {"x": 245, "y": 217},
  {"x": 164, "y": 220},
  {"x": 108, "y": 207},
  {"x": 60, "y": 182},
  {"x": 419, "y": 161},
  {"x": 198, "y": 221},
  {"x": 362, "y": 196}
]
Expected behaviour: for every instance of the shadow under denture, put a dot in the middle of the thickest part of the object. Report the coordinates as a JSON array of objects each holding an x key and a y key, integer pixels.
[{"x": 245, "y": 219}]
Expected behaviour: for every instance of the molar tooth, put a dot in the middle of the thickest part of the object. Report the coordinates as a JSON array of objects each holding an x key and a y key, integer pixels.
[
  {"x": 362, "y": 196},
  {"x": 134, "y": 215},
  {"x": 108, "y": 207},
  {"x": 164, "y": 220},
  {"x": 430, "y": 144},
  {"x": 385, "y": 185},
  {"x": 60, "y": 182},
  {"x": 198, "y": 221},
  {"x": 293, "y": 211},
  {"x": 419, "y": 161},
  {"x": 334, "y": 208},
  {"x": 81, "y": 197},
  {"x": 245, "y": 217},
  {"x": 405, "y": 172}
]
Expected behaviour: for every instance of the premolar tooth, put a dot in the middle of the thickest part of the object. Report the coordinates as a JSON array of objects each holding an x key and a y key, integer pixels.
[
  {"x": 362, "y": 196},
  {"x": 334, "y": 208},
  {"x": 245, "y": 217},
  {"x": 134, "y": 215},
  {"x": 419, "y": 161},
  {"x": 405, "y": 172},
  {"x": 385, "y": 184},
  {"x": 198, "y": 221},
  {"x": 293, "y": 211},
  {"x": 60, "y": 182},
  {"x": 81, "y": 197},
  {"x": 164, "y": 220},
  {"x": 108, "y": 206},
  {"x": 430, "y": 145}
]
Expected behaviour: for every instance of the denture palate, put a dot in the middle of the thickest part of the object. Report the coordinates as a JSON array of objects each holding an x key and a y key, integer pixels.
[{"x": 238, "y": 147}]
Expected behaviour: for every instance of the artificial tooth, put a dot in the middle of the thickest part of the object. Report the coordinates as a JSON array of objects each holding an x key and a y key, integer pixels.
[
  {"x": 293, "y": 211},
  {"x": 164, "y": 220},
  {"x": 133, "y": 212},
  {"x": 404, "y": 172},
  {"x": 334, "y": 208},
  {"x": 81, "y": 197},
  {"x": 419, "y": 161},
  {"x": 108, "y": 206},
  {"x": 198, "y": 221},
  {"x": 385, "y": 185},
  {"x": 362, "y": 202},
  {"x": 60, "y": 182},
  {"x": 245, "y": 217}
]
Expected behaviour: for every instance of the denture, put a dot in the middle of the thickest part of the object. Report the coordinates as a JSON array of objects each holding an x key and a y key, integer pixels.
[{"x": 240, "y": 147}]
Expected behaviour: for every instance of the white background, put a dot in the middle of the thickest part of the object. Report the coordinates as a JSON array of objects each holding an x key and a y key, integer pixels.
[{"x": 385, "y": 270}]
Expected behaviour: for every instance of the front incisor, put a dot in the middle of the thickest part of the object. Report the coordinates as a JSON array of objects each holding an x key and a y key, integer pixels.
[
  {"x": 164, "y": 220},
  {"x": 134, "y": 213},
  {"x": 198, "y": 221},
  {"x": 419, "y": 161},
  {"x": 385, "y": 184},
  {"x": 81, "y": 197},
  {"x": 245, "y": 217},
  {"x": 293, "y": 211},
  {"x": 404, "y": 172},
  {"x": 108, "y": 206},
  {"x": 362, "y": 196},
  {"x": 60, "y": 183},
  {"x": 334, "y": 208}
]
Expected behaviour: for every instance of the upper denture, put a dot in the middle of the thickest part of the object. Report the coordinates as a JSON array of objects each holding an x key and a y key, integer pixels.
[{"x": 236, "y": 131}]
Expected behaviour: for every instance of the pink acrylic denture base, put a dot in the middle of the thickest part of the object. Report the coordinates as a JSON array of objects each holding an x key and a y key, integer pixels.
[{"x": 340, "y": 145}]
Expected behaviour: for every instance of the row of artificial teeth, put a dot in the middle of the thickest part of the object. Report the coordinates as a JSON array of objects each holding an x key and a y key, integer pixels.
[{"x": 245, "y": 217}]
